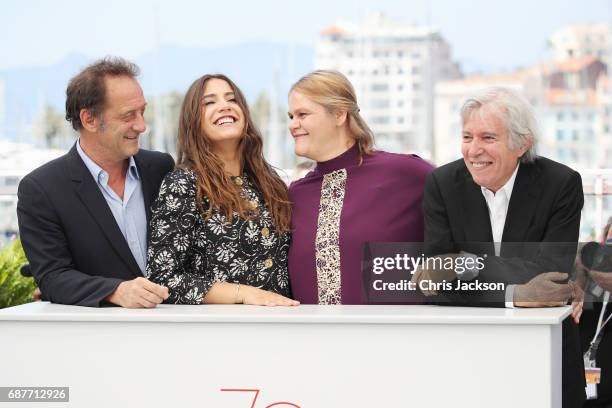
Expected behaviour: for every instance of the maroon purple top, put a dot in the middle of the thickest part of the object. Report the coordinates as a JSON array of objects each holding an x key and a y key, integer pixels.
[{"x": 338, "y": 207}]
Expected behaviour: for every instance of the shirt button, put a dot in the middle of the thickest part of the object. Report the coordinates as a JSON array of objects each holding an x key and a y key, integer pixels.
[
  {"x": 265, "y": 232},
  {"x": 268, "y": 263}
]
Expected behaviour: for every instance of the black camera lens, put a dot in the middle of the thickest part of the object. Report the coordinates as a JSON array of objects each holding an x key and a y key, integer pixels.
[{"x": 597, "y": 257}]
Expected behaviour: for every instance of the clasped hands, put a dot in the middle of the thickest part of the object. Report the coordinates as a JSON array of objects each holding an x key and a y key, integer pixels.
[
  {"x": 547, "y": 289},
  {"x": 429, "y": 273}
]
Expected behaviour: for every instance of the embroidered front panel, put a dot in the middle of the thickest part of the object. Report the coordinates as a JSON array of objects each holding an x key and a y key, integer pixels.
[{"x": 327, "y": 241}]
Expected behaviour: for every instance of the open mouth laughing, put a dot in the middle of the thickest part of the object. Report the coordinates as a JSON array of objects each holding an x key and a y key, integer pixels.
[
  {"x": 480, "y": 164},
  {"x": 226, "y": 120}
]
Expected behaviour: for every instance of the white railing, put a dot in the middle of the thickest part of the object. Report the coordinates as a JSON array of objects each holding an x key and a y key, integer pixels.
[{"x": 597, "y": 186}]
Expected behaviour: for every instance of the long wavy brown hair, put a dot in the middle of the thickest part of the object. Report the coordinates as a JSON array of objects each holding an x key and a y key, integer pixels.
[{"x": 194, "y": 151}]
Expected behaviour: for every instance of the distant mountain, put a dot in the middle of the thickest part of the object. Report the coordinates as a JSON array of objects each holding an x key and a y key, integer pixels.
[{"x": 250, "y": 65}]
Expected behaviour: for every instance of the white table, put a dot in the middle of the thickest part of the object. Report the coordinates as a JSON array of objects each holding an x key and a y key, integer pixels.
[{"x": 312, "y": 356}]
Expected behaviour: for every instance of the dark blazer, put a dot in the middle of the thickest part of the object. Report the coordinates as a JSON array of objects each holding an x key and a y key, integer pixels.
[
  {"x": 76, "y": 251},
  {"x": 544, "y": 207}
]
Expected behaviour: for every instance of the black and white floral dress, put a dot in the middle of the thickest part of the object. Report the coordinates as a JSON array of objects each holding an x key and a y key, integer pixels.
[{"x": 189, "y": 253}]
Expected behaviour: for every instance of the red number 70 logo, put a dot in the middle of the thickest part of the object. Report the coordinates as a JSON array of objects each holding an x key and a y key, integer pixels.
[{"x": 256, "y": 391}]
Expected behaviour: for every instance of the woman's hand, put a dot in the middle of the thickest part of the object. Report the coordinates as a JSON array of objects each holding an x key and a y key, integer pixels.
[
  {"x": 230, "y": 293},
  {"x": 577, "y": 300},
  {"x": 259, "y": 297},
  {"x": 578, "y": 288}
]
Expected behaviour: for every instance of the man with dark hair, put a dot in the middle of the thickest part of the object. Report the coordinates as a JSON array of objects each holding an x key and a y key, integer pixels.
[{"x": 83, "y": 218}]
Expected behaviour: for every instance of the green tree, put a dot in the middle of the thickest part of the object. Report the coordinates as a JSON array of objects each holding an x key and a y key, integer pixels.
[{"x": 15, "y": 289}]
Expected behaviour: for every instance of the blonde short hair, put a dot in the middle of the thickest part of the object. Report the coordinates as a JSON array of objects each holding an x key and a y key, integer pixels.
[{"x": 334, "y": 92}]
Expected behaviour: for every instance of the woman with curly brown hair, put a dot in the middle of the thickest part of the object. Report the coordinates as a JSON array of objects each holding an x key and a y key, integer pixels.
[{"x": 220, "y": 226}]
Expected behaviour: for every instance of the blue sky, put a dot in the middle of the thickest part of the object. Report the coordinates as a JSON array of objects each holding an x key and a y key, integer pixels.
[{"x": 494, "y": 34}]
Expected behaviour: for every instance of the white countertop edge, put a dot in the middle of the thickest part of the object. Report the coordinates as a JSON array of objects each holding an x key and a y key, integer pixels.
[{"x": 304, "y": 314}]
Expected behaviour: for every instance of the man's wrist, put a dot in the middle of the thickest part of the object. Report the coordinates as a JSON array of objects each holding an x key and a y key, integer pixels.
[
  {"x": 518, "y": 297},
  {"x": 114, "y": 295}
]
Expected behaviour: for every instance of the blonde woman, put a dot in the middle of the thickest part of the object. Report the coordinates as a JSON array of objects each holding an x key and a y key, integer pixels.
[{"x": 354, "y": 195}]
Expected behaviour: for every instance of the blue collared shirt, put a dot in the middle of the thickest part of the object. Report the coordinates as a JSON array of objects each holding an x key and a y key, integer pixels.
[{"x": 130, "y": 212}]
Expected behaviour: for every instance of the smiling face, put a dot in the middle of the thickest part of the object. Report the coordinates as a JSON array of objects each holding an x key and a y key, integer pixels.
[
  {"x": 222, "y": 119},
  {"x": 486, "y": 150},
  {"x": 315, "y": 130},
  {"x": 122, "y": 119}
]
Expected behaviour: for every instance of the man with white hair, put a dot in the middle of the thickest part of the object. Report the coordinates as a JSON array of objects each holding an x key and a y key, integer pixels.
[{"x": 527, "y": 208}]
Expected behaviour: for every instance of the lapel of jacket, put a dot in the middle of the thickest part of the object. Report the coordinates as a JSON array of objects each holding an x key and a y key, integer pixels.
[
  {"x": 477, "y": 224},
  {"x": 523, "y": 203},
  {"x": 91, "y": 196}
]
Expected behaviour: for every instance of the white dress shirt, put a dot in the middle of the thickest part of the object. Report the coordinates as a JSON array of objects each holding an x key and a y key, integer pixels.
[
  {"x": 129, "y": 212},
  {"x": 498, "y": 203}
]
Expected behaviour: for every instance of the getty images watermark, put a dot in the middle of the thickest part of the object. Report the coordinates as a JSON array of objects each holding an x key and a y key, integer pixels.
[
  {"x": 459, "y": 266},
  {"x": 402, "y": 272}
]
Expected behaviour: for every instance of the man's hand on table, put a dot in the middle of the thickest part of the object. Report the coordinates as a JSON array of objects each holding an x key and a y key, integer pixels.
[
  {"x": 545, "y": 290},
  {"x": 138, "y": 293},
  {"x": 36, "y": 295}
]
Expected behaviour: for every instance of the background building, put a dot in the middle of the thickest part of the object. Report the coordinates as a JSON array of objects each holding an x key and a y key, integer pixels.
[
  {"x": 393, "y": 67},
  {"x": 16, "y": 160},
  {"x": 570, "y": 112},
  {"x": 580, "y": 40}
]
